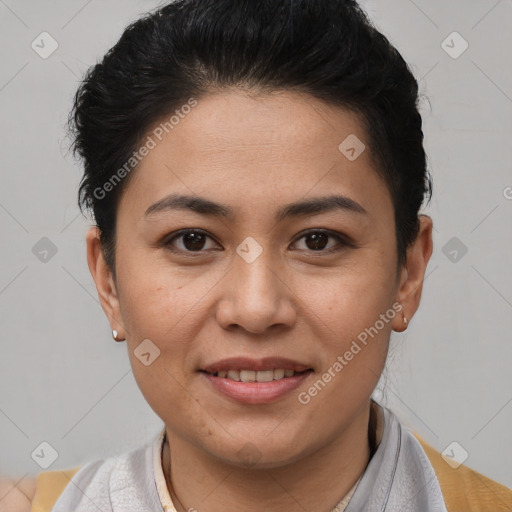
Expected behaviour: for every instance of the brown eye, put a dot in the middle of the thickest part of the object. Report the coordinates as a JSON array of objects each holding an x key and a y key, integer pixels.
[
  {"x": 192, "y": 240},
  {"x": 318, "y": 241}
]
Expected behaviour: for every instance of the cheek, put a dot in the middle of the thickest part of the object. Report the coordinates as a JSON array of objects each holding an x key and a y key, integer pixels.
[
  {"x": 353, "y": 308},
  {"x": 155, "y": 298},
  {"x": 354, "y": 319},
  {"x": 166, "y": 306},
  {"x": 352, "y": 297},
  {"x": 157, "y": 307}
]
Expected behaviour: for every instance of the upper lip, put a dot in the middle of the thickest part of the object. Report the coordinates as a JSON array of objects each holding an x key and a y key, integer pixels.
[{"x": 246, "y": 363}]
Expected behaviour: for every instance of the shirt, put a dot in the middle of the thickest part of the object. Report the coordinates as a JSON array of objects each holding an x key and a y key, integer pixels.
[{"x": 404, "y": 474}]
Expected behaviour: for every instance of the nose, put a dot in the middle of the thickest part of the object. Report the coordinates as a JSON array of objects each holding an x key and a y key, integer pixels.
[{"x": 256, "y": 298}]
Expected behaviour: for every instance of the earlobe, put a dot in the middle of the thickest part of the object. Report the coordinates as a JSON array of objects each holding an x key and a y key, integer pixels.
[
  {"x": 400, "y": 322},
  {"x": 102, "y": 275},
  {"x": 413, "y": 274}
]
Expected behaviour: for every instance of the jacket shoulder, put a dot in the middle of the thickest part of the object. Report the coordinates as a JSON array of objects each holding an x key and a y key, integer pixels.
[
  {"x": 466, "y": 490},
  {"x": 49, "y": 486}
]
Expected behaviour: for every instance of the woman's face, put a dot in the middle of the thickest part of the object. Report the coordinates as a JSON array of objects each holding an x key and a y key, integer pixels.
[{"x": 290, "y": 263}]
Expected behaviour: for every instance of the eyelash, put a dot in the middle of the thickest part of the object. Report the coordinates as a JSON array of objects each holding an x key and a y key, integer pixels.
[{"x": 342, "y": 241}]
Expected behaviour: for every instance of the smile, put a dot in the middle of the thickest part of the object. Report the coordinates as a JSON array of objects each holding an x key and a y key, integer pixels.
[
  {"x": 255, "y": 376},
  {"x": 252, "y": 381}
]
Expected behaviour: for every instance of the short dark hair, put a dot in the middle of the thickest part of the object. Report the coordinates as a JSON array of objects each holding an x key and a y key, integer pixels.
[{"x": 328, "y": 49}]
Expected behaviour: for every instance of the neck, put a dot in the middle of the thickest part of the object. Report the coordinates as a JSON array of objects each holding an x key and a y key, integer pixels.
[{"x": 199, "y": 480}]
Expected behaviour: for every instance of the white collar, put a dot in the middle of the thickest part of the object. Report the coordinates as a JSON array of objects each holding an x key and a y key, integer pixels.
[{"x": 161, "y": 484}]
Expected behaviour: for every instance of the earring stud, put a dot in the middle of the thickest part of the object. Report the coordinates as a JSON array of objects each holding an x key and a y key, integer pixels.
[{"x": 115, "y": 336}]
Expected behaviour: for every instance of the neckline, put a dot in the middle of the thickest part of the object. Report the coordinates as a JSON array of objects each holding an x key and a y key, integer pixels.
[
  {"x": 164, "y": 496},
  {"x": 158, "y": 473}
]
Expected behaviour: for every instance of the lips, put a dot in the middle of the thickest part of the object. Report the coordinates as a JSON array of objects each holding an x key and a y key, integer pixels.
[
  {"x": 256, "y": 381},
  {"x": 264, "y": 364}
]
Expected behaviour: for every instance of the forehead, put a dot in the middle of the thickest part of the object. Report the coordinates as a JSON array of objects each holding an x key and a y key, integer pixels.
[
  {"x": 272, "y": 123},
  {"x": 236, "y": 146}
]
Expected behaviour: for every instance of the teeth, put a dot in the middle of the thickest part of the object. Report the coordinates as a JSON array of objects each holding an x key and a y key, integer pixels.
[
  {"x": 234, "y": 375},
  {"x": 278, "y": 374},
  {"x": 247, "y": 375},
  {"x": 255, "y": 376},
  {"x": 265, "y": 376}
]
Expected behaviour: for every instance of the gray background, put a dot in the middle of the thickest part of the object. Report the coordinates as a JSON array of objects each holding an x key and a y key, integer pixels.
[{"x": 64, "y": 380}]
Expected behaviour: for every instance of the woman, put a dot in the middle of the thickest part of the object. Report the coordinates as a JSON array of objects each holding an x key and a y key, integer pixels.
[{"x": 256, "y": 172}]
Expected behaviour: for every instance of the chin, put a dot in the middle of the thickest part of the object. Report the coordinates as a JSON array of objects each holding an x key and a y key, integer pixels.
[{"x": 264, "y": 451}]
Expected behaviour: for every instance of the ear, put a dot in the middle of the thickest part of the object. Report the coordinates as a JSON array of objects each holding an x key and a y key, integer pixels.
[
  {"x": 413, "y": 274},
  {"x": 104, "y": 281}
]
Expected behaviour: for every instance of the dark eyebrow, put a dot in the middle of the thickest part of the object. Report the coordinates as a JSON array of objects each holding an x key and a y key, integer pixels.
[{"x": 204, "y": 206}]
